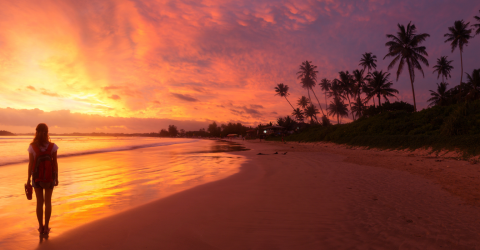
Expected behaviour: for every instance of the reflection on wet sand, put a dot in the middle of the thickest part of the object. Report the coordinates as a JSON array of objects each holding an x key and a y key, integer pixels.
[{"x": 98, "y": 185}]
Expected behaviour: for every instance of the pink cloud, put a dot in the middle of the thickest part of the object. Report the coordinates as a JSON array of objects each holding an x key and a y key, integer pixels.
[{"x": 211, "y": 53}]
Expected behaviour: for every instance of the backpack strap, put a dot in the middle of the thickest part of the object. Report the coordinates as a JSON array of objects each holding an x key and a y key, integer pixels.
[
  {"x": 49, "y": 149},
  {"x": 35, "y": 148}
]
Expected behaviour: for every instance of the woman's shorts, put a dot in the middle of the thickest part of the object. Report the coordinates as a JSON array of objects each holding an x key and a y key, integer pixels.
[{"x": 41, "y": 184}]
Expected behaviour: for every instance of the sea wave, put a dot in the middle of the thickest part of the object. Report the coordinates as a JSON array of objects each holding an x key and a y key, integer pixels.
[{"x": 106, "y": 150}]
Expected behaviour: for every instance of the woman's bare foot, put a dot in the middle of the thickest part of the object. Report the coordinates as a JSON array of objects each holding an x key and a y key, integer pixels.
[
  {"x": 40, "y": 229},
  {"x": 46, "y": 230}
]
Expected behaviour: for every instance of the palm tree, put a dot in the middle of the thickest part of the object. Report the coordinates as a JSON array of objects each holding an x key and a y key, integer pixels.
[
  {"x": 368, "y": 61},
  {"x": 311, "y": 111},
  {"x": 325, "y": 85},
  {"x": 347, "y": 83},
  {"x": 298, "y": 114},
  {"x": 337, "y": 108},
  {"x": 473, "y": 85},
  {"x": 405, "y": 49},
  {"x": 358, "y": 107},
  {"x": 477, "y": 25},
  {"x": 336, "y": 89},
  {"x": 360, "y": 81},
  {"x": 459, "y": 36},
  {"x": 308, "y": 77},
  {"x": 303, "y": 102},
  {"x": 367, "y": 89},
  {"x": 443, "y": 68},
  {"x": 440, "y": 97},
  {"x": 282, "y": 91},
  {"x": 381, "y": 86}
]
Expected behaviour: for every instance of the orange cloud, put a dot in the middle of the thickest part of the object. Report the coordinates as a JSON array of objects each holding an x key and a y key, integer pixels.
[
  {"x": 192, "y": 61},
  {"x": 115, "y": 97}
]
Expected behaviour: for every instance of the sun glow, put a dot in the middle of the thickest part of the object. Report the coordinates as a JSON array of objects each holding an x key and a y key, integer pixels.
[{"x": 184, "y": 61}]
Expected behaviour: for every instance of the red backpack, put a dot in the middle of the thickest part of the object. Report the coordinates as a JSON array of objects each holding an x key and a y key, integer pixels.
[{"x": 43, "y": 170}]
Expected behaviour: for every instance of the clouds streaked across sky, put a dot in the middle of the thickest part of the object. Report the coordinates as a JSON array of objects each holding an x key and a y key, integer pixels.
[{"x": 197, "y": 61}]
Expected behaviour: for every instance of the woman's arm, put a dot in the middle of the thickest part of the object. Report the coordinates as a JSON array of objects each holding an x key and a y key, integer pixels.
[
  {"x": 31, "y": 163},
  {"x": 55, "y": 165}
]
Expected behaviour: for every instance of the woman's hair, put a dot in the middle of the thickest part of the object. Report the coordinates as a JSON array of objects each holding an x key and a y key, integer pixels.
[{"x": 41, "y": 135}]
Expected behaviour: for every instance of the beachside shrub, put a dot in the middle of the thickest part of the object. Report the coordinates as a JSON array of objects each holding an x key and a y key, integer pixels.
[
  {"x": 441, "y": 127},
  {"x": 387, "y": 106}
]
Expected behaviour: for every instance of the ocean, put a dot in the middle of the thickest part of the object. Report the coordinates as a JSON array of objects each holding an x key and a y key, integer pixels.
[{"x": 101, "y": 176}]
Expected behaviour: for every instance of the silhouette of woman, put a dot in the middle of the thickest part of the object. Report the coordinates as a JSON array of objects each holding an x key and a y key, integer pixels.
[{"x": 43, "y": 167}]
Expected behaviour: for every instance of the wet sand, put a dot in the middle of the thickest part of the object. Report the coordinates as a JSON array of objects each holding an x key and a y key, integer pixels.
[{"x": 314, "y": 197}]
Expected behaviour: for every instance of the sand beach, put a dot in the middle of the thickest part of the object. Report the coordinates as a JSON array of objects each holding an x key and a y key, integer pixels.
[{"x": 316, "y": 196}]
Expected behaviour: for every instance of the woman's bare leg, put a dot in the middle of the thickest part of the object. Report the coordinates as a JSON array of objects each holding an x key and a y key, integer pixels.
[
  {"x": 40, "y": 202},
  {"x": 48, "y": 206}
]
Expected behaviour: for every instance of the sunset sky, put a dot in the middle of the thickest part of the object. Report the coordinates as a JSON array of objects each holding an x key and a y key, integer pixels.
[{"x": 137, "y": 66}]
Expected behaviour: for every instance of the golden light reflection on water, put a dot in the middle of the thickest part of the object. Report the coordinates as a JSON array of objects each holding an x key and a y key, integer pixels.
[{"x": 98, "y": 185}]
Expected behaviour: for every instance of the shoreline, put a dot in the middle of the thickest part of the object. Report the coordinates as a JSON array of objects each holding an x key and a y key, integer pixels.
[{"x": 307, "y": 199}]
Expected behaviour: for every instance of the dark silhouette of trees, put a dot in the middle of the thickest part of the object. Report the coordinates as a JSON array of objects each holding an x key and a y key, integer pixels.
[
  {"x": 358, "y": 107},
  {"x": 214, "y": 130},
  {"x": 336, "y": 89},
  {"x": 172, "y": 130},
  {"x": 368, "y": 61},
  {"x": 459, "y": 36},
  {"x": 308, "y": 78},
  {"x": 360, "y": 80},
  {"x": 286, "y": 122},
  {"x": 303, "y": 102},
  {"x": 381, "y": 86},
  {"x": 443, "y": 68},
  {"x": 325, "y": 121},
  {"x": 440, "y": 97},
  {"x": 311, "y": 111},
  {"x": 405, "y": 49},
  {"x": 338, "y": 108},
  {"x": 298, "y": 114},
  {"x": 477, "y": 25},
  {"x": 4, "y": 132},
  {"x": 164, "y": 133},
  {"x": 473, "y": 85},
  {"x": 347, "y": 84},
  {"x": 325, "y": 86},
  {"x": 282, "y": 91}
]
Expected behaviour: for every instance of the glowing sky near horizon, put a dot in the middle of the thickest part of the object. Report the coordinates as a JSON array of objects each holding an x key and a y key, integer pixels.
[{"x": 198, "y": 61}]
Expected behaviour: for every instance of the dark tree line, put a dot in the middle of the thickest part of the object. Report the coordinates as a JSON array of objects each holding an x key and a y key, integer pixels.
[{"x": 225, "y": 129}]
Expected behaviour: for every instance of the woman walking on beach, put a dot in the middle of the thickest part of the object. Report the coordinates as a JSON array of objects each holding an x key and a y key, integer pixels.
[{"x": 43, "y": 167}]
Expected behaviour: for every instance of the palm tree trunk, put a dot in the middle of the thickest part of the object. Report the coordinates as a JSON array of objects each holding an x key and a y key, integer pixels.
[
  {"x": 326, "y": 101},
  {"x": 379, "y": 103},
  {"x": 413, "y": 89},
  {"x": 289, "y": 103},
  {"x": 461, "y": 76},
  {"x": 338, "y": 120},
  {"x": 318, "y": 102},
  {"x": 349, "y": 103},
  {"x": 461, "y": 63}
]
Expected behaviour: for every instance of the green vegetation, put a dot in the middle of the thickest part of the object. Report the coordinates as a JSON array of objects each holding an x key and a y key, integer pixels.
[{"x": 454, "y": 127}]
